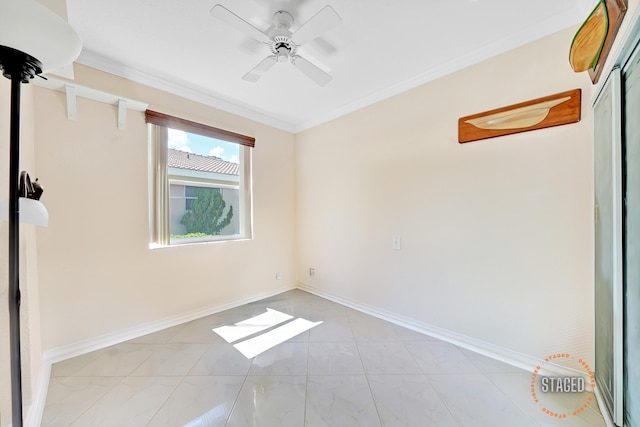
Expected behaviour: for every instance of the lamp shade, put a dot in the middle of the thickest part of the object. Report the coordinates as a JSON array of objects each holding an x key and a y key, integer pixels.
[
  {"x": 31, "y": 211},
  {"x": 31, "y": 28}
]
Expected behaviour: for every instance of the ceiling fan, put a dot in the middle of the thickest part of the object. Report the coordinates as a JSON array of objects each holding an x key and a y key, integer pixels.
[{"x": 282, "y": 42}]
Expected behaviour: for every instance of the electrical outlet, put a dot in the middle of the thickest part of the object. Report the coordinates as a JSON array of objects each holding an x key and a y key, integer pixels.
[
  {"x": 278, "y": 276},
  {"x": 312, "y": 272}
]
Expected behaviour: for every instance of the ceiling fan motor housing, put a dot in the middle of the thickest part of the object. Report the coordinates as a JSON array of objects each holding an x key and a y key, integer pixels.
[
  {"x": 282, "y": 20},
  {"x": 282, "y": 46}
]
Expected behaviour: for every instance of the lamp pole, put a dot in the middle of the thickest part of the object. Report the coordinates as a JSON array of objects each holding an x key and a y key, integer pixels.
[
  {"x": 26, "y": 26},
  {"x": 19, "y": 68},
  {"x": 14, "y": 253}
]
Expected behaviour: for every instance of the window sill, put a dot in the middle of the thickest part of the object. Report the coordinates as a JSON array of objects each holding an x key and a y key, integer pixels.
[{"x": 200, "y": 241}]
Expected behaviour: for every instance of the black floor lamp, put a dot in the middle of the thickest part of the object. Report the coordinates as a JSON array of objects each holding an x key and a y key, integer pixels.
[{"x": 33, "y": 40}]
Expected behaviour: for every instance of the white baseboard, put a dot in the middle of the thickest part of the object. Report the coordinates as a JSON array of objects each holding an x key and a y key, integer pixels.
[
  {"x": 505, "y": 355},
  {"x": 501, "y": 354},
  {"x": 603, "y": 409},
  {"x": 34, "y": 414},
  {"x": 59, "y": 354},
  {"x": 49, "y": 357}
]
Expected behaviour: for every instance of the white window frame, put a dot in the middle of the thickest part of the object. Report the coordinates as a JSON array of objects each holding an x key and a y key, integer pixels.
[{"x": 159, "y": 181}]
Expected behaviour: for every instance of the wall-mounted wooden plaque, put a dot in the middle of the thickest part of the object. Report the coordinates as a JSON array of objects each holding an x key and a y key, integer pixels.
[{"x": 554, "y": 110}]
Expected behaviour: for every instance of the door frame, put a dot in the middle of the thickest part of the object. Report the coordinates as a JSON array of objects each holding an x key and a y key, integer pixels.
[{"x": 613, "y": 86}]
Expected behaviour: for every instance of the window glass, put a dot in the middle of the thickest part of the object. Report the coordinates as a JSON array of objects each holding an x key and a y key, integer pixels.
[{"x": 207, "y": 181}]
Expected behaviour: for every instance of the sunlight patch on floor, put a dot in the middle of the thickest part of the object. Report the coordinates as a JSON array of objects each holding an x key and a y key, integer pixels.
[
  {"x": 252, "y": 326},
  {"x": 254, "y": 346}
]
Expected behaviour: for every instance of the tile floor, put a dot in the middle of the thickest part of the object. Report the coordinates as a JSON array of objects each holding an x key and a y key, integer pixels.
[{"x": 352, "y": 370}]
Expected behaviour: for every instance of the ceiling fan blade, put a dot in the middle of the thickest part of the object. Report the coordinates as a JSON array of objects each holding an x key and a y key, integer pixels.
[
  {"x": 323, "y": 21},
  {"x": 230, "y": 18},
  {"x": 259, "y": 70},
  {"x": 311, "y": 71}
]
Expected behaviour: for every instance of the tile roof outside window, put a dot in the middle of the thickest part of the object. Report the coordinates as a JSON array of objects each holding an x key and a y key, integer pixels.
[{"x": 196, "y": 162}]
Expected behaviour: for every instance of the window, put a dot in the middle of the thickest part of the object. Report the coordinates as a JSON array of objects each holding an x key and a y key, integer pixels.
[
  {"x": 189, "y": 197},
  {"x": 201, "y": 182},
  {"x": 190, "y": 194}
]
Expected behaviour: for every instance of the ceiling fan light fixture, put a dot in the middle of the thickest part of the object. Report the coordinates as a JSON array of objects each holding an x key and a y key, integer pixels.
[{"x": 282, "y": 55}]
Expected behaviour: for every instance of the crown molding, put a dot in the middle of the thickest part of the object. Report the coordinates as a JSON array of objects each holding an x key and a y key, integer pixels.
[
  {"x": 527, "y": 35},
  {"x": 193, "y": 93}
]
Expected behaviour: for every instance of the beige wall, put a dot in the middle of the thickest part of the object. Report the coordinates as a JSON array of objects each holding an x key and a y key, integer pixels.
[
  {"x": 98, "y": 275},
  {"x": 496, "y": 234}
]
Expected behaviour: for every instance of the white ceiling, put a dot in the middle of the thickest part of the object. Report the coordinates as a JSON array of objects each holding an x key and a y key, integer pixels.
[{"x": 382, "y": 47}]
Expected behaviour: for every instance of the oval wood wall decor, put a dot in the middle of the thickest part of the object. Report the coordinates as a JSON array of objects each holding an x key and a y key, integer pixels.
[
  {"x": 616, "y": 10},
  {"x": 589, "y": 40}
]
